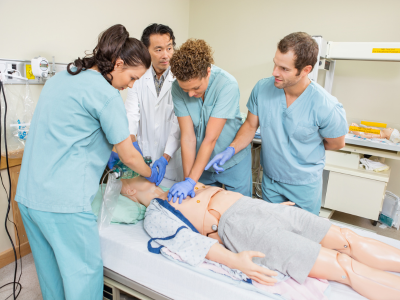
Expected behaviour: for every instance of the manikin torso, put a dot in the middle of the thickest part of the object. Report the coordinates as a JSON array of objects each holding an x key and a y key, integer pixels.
[{"x": 206, "y": 208}]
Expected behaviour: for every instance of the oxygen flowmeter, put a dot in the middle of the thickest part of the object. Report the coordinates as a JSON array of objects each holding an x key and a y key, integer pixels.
[{"x": 40, "y": 67}]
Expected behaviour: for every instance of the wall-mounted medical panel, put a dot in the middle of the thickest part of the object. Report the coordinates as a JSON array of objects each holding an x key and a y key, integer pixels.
[{"x": 14, "y": 71}]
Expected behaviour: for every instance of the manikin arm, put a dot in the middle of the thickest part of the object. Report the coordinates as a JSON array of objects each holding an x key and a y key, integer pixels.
[{"x": 242, "y": 261}]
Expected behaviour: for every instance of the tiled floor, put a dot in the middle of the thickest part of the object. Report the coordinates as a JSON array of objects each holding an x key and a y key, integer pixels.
[{"x": 30, "y": 283}]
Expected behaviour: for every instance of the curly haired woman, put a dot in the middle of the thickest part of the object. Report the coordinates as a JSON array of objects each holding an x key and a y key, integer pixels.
[{"x": 206, "y": 102}]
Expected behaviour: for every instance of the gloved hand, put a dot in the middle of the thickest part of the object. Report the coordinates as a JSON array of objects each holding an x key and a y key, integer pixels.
[
  {"x": 154, "y": 175},
  {"x": 182, "y": 189},
  {"x": 114, "y": 158},
  {"x": 161, "y": 163},
  {"x": 136, "y": 145},
  {"x": 220, "y": 159}
]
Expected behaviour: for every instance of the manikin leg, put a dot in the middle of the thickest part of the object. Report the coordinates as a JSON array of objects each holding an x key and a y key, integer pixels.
[
  {"x": 368, "y": 251},
  {"x": 369, "y": 282}
]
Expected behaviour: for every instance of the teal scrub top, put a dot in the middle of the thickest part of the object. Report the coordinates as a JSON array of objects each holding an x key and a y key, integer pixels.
[
  {"x": 221, "y": 100},
  {"x": 293, "y": 151},
  {"x": 76, "y": 122}
]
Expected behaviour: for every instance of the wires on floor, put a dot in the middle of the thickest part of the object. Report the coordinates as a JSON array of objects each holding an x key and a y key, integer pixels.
[{"x": 17, "y": 287}]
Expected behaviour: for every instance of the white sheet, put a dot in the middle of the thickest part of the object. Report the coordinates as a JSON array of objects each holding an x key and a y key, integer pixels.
[{"x": 124, "y": 250}]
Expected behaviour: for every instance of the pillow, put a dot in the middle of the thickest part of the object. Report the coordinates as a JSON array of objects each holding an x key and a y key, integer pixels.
[{"x": 126, "y": 211}]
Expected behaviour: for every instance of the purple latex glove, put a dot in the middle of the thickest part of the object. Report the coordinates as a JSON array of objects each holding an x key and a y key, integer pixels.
[
  {"x": 154, "y": 175},
  {"x": 114, "y": 158},
  {"x": 161, "y": 163},
  {"x": 220, "y": 159},
  {"x": 182, "y": 189}
]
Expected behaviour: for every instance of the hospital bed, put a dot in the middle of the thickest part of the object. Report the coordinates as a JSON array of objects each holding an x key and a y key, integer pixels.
[{"x": 129, "y": 267}]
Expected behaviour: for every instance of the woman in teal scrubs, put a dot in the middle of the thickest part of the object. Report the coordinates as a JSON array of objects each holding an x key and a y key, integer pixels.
[
  {"x": 206, "y": 102},
  {"x": 80, "y": 115}
]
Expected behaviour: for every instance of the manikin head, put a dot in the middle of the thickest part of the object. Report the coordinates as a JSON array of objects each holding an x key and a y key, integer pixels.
[
  {"x": 140, "y": 190},
  {"x": 191, "y": 65},
  {"x": 294, "y": 59},
  {"x": 160, "y": 41}
]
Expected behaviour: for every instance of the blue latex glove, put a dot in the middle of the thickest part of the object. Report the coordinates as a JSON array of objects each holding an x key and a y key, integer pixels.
[
  {"x": 220, "y": 159},
  {"x": 161, "y": 163},
  {"x": 182, "y": 189},
  {"x": 136, "y": 145},
  {"x": 154, "y": 175},
  {"x": 114, "y": 158}
]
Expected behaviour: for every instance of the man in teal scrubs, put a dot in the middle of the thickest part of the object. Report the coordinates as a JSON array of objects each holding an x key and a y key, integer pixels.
[
  {"x": 298, "y": 121},
  {"x": 206, "y": 102}
]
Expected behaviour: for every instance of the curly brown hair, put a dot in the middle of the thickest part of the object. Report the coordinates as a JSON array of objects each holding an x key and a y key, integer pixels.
[{"x": 191, "y": 60}]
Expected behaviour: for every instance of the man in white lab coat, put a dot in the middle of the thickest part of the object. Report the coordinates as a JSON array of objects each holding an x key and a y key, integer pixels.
[{"x": 152, "y": 121}]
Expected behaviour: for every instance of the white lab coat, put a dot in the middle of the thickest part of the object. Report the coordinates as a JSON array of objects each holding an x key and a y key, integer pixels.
[{"x": 153, "y": 120}]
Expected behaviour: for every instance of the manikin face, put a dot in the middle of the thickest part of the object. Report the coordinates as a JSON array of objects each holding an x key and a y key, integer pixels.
[
  {"x": 125, "y": 76},
  {"x": 285, "y": 72},
  {"x": 196, "y": 87},
  {"x": 161, "y": 49},
  {"x": 139, "y": 189}
]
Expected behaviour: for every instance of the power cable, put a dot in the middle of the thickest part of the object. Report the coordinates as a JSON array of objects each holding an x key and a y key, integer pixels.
[{"x": 16, "y": 284}]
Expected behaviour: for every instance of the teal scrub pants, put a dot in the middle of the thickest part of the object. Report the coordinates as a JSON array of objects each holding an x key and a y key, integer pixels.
[
  {"x": 66, "y": 250},
  {"x": 236, "y": 179},
  {"x": 307, "y": 197}
]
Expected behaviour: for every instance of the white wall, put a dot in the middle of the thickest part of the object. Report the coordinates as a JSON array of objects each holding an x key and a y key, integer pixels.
[
  {"x": 244, "y": 35},
  {"x": 66, "y": 29}
]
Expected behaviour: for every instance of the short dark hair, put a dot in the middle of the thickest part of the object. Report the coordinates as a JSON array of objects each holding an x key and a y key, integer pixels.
[
  {"x": 305, "y": 49},
  {"x": 156, "y": 29}
]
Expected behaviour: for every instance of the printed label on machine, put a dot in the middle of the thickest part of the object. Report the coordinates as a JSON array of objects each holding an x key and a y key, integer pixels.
[
  {"x": 367, "y": 130},
  {"x": 29, "y": 73},
  {"x": 374, "y": 124},
  {"x": 385, "y": 50}
]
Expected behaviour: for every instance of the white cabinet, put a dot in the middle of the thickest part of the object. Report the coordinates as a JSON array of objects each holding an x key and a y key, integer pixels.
[{"x": 355, "y": 195}]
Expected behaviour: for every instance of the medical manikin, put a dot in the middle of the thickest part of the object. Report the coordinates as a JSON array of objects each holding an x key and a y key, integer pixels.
[
  {"x": 293, "y": 239},
  {"x": 390, "y": 134}
]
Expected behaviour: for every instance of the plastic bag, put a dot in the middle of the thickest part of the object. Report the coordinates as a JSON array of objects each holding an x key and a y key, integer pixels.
[
  {"x": 20, "y": 108},
  {"x": 391, "y": 210},
  {"x": 110, "y": 199}
]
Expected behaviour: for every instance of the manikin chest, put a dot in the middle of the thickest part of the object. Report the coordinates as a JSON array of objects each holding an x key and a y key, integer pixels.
[{"x": 205, "y": 209}]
